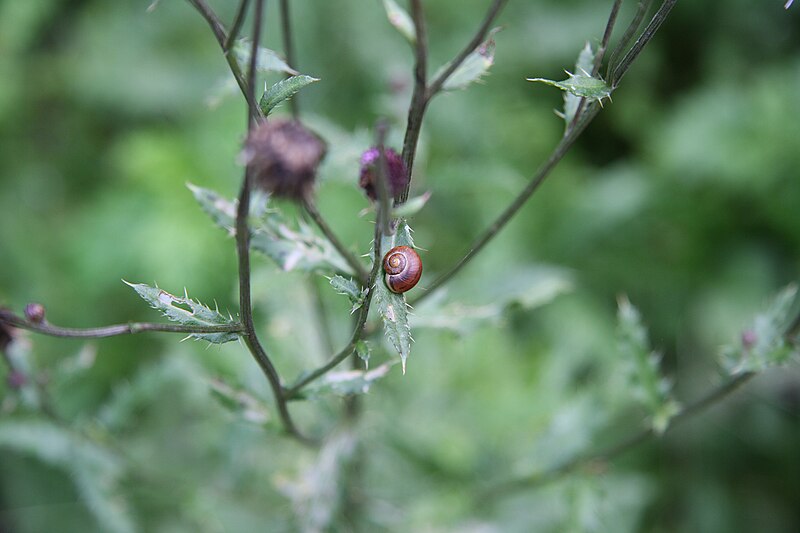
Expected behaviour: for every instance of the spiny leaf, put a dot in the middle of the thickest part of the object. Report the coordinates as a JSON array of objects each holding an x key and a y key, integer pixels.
[
  {"x": 763, "y": 343},
  {"x": 351, "y": 289},
  {"x": 186, "y": 311},
  {"x": 651, "y": 389},
  {"x": 271, "y": 234},
  {"x": 400, "y": 19},
  {"x": 392, "y": 307},
  {"x": 348, "y": 382},
  {"x": 474, "y": 67},
  {"x": 266, "y": 59},
  {"x": 582, "y": 85},
  {"x": 283, "y": 90},
  {"x": 585, "y": 63},
  {"x": 411, "y": 207}
]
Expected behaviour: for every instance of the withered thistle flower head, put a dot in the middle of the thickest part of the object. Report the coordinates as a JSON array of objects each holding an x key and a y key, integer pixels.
[
  {"x": 283, "y": 157},
  {"x": 397, "y": 174}
]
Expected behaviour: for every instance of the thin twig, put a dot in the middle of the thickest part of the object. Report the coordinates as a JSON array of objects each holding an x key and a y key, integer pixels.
[
  {"x": 288, "y": 51},
  {"x": 630, "y": 33},
  {"x": 45, "y": 328},
  {"x": 648, "y": 33},
  {"x": 243, "y": 250},
  {"x": 543, "y": 477},
  {"x": 419, "y": 99},
  {"x": 311, "y": 208},
  {"x": 236, "y": 26},
  {"x": 541, "y": 174},
  {"x": 222, "y": 38}
]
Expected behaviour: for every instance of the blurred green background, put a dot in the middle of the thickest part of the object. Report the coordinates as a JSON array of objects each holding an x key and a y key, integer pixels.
[{"x": 683, "y": 195}]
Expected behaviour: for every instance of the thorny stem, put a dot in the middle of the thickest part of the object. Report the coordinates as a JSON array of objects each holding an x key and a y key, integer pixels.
[
  {"x": 311, "y": 208},
  {"x": 222, "y": 38},
  {"x": 46, "y": 328},
  {"x": 288, "y": 50},
  {"x": 293, "y": 392},
  {"x": 602, "y": 457},
  {"x": 422, "y": 94},
  {"x": 243, "y": 251},
  {"x": 538, "y": 178}
]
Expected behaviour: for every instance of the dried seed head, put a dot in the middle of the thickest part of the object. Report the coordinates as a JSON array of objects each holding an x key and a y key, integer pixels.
[
  {"x": 34, "y": 312},
  {"x": 283, "y": 157},
  {"x": 397, "y": 173}
]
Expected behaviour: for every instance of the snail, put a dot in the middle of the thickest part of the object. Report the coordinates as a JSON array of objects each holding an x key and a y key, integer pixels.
[{"x": 403, "y": 268}]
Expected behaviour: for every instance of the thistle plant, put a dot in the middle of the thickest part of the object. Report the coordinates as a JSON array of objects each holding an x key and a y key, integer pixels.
[{"x": 276, "y": 215}]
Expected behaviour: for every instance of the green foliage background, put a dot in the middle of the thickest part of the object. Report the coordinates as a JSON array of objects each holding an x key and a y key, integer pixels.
[{"x": 682, "y": 195}]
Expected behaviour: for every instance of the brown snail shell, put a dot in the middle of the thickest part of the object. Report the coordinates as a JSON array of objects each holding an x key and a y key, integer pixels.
[{"x": 403, "y": 268}]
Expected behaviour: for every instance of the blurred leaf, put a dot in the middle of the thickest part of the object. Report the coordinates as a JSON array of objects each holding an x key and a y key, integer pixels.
[
  {"x": 266, "y": 61},
  {"x": 411, "y": 207},
  {"x": 351, "y": 289},
  {"x": 400, "y": 19},
  {"x": 317, "y": 494},
  {"x": 271, "y": 234},
  {"x": 474, "y": 67},
  {"x": 764, "y": 343},
  {"x": 649, "y": 387},
  {"x": 283, "y": 90},
  {"x": 239, "y": 402},
  {"x": 187, "y": 312},
  {"x": 392, "y": 307},
  {"x": 585, "y": 63},
  {"x": 364, "y": 351},
  {"x": 527, "y": 289},
  {"x": 347, "y": 382},
  {"x": 95, "y": 471}
]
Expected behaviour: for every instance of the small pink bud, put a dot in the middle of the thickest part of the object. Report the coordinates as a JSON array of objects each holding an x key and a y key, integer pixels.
[
  {"x": 749, "y": 339},
  {"x": 35, "y": 313}
]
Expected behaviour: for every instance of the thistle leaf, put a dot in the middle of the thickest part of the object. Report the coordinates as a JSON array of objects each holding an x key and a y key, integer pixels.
[
  {"x": 266, "y": 60},
  {"x": 186, "y": 311},
  {"x": 400, "y": 19},
  {"x": 650, "y": 388},
  {"x": 364, "y": 351},
  {"x": 585, "y": 63},
  {"x": 239, "y": 402},
  {"x": 392, "y": 307},
  {"x": 349, "y": 288},
  {"x": 411, "y": 207},
  {"x": 282, "y": 91},
  {"x": 581, "y": 85},
  {"x": 272, "y": 235},
  {"x": 474, "y": 67}
]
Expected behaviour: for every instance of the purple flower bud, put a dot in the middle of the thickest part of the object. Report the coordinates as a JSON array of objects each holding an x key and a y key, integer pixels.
[
  {"x": 283, "y": 157},
  {"x": 35, "y": 313},
  {"x": 398, "y": 174}
]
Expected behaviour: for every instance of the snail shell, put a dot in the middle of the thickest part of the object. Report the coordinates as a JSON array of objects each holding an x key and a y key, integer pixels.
[{"x": 403, "y": 268}]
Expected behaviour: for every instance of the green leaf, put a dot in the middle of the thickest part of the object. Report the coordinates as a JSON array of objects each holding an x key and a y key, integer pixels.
[
  {"x": 351, "y": 289},
  {"x": 364, "y": 351},
  {"x": 411, "y": 207},
  {"x": 239, "y": 402},
  {"x": 348, "y": 382},
  {"x": 400, "y": 19},
  {"x": 392, "y": 307},
  {"x": 585, "y": 63},
  {"x": 474, "y": 67},
  {"x": 96, "y": 472},
  {"x": 266, "y": 60},
  {"x": 272, "y": 235},
  {"x": 187, "y": 312},
  {"x": 283, "y": 90},
  {"x": 764, "y": 343},
  {"x": 649, "y": 387}
]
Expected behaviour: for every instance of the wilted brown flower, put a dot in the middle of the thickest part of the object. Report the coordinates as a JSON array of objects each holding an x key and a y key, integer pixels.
[{"x": 283, "y": 157}]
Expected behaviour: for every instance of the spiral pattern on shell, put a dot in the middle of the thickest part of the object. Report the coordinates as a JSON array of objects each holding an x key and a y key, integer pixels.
[{"x": 403, "y": 268}]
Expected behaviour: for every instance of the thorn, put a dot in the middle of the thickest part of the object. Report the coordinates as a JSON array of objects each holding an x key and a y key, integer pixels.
[{"x": 403, "y": 364}]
